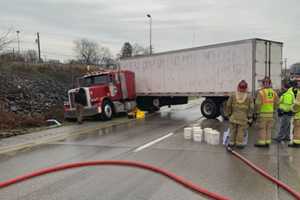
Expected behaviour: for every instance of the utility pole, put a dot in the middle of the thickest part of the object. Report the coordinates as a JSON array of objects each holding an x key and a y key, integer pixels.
[
  {"x": 150, "y": 17},
  {"x": 18, "y": 38},
  {"x": 39, "y": 45}
]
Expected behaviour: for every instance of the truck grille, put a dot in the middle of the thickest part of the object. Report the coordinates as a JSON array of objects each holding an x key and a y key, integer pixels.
[{"x": 72, "y": 99}]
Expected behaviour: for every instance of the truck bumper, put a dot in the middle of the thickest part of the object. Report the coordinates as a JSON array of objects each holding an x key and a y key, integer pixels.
[{"x": 87, "y": 112}]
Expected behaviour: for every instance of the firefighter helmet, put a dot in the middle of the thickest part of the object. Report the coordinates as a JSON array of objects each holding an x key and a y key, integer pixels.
[
  {"x": 242, "y": 86},
  {"x": 266, "y": 82}
]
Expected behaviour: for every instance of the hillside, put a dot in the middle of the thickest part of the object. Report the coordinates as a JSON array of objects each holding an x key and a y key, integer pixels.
[{"x": 32, "y": 93}]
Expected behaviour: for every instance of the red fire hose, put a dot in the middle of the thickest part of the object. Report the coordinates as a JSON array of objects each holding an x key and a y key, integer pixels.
[
  {"x": 170, "y": 175},
  {"x": 266, "y": 175}
]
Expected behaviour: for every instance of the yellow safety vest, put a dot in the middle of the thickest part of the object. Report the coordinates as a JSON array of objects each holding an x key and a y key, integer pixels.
[{"x": 267, "y": 100}]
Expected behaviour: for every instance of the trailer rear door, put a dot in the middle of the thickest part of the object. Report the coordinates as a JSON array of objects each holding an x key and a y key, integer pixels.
[{"x": 268, "y": 62}]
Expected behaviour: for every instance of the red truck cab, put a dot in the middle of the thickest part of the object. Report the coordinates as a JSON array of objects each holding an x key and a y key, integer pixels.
[{"x": 107, "y": 92}]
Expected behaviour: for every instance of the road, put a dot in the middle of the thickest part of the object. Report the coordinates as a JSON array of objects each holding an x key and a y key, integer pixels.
[{"x": 209, "y": 166}]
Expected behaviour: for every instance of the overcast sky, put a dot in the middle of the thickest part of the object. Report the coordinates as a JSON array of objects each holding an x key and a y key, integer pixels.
[{"x": 176, "y": 23}]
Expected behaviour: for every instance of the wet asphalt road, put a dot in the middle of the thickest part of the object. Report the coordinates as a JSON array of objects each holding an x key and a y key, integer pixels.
[{"x": 209, "y": 166}]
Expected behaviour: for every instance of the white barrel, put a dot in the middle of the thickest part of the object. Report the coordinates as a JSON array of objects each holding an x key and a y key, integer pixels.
[
  {"x": 207, "y": 134},
  {"x": 215, "y": 138},
  {"x": 196, "y": 128},
  {"x": 187, "y": 133},
  {"x": 197, "y": 134}
]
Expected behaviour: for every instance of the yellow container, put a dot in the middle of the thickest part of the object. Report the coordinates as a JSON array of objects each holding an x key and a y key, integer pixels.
[{"x": 140, "y": 114}]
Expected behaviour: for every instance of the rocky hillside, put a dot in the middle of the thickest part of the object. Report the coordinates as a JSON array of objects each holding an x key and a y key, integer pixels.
[{"x": 29, "y": 94}]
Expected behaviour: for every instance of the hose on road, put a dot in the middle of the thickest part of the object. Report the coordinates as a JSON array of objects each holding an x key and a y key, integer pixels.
[
  {"x": 180, "y": 180},
  {"x": 265, "y": 174}
]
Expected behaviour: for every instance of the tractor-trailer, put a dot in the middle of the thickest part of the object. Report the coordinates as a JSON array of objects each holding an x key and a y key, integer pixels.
[{"x": 212, "y": 71}]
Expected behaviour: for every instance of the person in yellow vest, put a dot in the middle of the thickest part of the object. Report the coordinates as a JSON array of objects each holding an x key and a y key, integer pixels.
[
  {"x": 265, "y": 106},
  {"x": 239, "y": 109},
  {"x": 296, "y": 109},
  {"x": 285, "y": 112}
]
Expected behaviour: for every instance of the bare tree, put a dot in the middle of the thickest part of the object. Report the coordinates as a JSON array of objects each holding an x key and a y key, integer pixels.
[
  {"x": 104, "y": 55},
  {"x": 89, "y": 52},
  {"x": 31, "y": 56},
  {"x": 86, "y": 51},
  {"x": 137, "y": 49},
  {"x": 5, "y": 40}
]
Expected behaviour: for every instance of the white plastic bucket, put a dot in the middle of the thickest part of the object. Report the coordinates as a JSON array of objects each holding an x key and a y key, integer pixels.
[
  {"x": 187, "y": 133},
  {"x": 215, "y": 137},
  {"x": 197, "y": 128},
  {"x": 197, "y": 134},
  {"x": 207, "y": 135}
]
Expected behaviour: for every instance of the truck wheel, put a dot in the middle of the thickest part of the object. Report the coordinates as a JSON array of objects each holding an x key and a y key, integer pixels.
[
  {"x": 210, "y": 109},
  {"x": 107, "y": 110}
]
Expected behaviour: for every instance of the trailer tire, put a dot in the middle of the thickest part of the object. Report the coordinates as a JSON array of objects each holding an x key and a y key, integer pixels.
[
  {"x": 107, "y": 110},
  {"x": 222, "y": 110},
  {"x": 210, "y": 109}
]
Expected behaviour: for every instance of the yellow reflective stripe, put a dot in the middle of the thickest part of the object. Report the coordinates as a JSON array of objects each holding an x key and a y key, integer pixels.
[
  {"x": 261, "y": 142},
  {"x": 268, "y": 141},
  {"x": 296, "y": 141}
]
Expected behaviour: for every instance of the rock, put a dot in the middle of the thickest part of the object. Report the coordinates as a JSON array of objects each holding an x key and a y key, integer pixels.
[{"x": 13, "y": 108}]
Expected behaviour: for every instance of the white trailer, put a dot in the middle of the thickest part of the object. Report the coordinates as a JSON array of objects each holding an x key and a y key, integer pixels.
[{"x": 211, "y": 71}]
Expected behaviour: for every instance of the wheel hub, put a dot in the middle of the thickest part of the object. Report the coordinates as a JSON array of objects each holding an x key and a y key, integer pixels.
[{"x": 108, "y": 110}]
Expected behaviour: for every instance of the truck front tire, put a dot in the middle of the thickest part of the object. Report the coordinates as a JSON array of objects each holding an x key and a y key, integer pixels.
[
  {"x": 107, "y": 110},
  {"x": 210, "y": 109}
]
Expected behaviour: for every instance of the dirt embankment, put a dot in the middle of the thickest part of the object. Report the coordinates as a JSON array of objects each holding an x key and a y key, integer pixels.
[{"x": 32, "y": 93}]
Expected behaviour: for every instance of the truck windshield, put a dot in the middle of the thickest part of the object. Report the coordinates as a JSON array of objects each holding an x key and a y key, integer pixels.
[{"x": 94, "y": 80}]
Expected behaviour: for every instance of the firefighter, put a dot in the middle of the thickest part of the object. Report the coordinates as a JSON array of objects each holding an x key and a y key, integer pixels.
[
  {"x": 80, "y": 101},
  {"x": 296, "y": 109},
  {"x": 265, "y": 105},
  {"x": 239, "y": 109}
]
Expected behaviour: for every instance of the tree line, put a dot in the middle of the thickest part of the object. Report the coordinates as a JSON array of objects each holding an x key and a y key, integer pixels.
[{"x": 86, "y": 51}]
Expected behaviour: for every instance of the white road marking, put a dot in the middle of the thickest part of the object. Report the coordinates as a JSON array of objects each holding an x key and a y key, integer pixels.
[{"x": 152, "y": 142}]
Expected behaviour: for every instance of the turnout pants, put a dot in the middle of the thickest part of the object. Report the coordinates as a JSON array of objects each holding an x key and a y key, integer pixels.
[
  {"x": 237, "y": 134},
  {"x": 264, "y": 131},
  {"x": 296, "y": 132},
  {"x": 79, "y": 112}
]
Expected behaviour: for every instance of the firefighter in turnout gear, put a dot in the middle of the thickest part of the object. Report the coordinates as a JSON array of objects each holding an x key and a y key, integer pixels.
[
  {"x": 239, "y": 108},
  {"x": 296, "y": 109},
  {"x": 80, "y": 102},
  {"x": 265, "y": 106}
]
